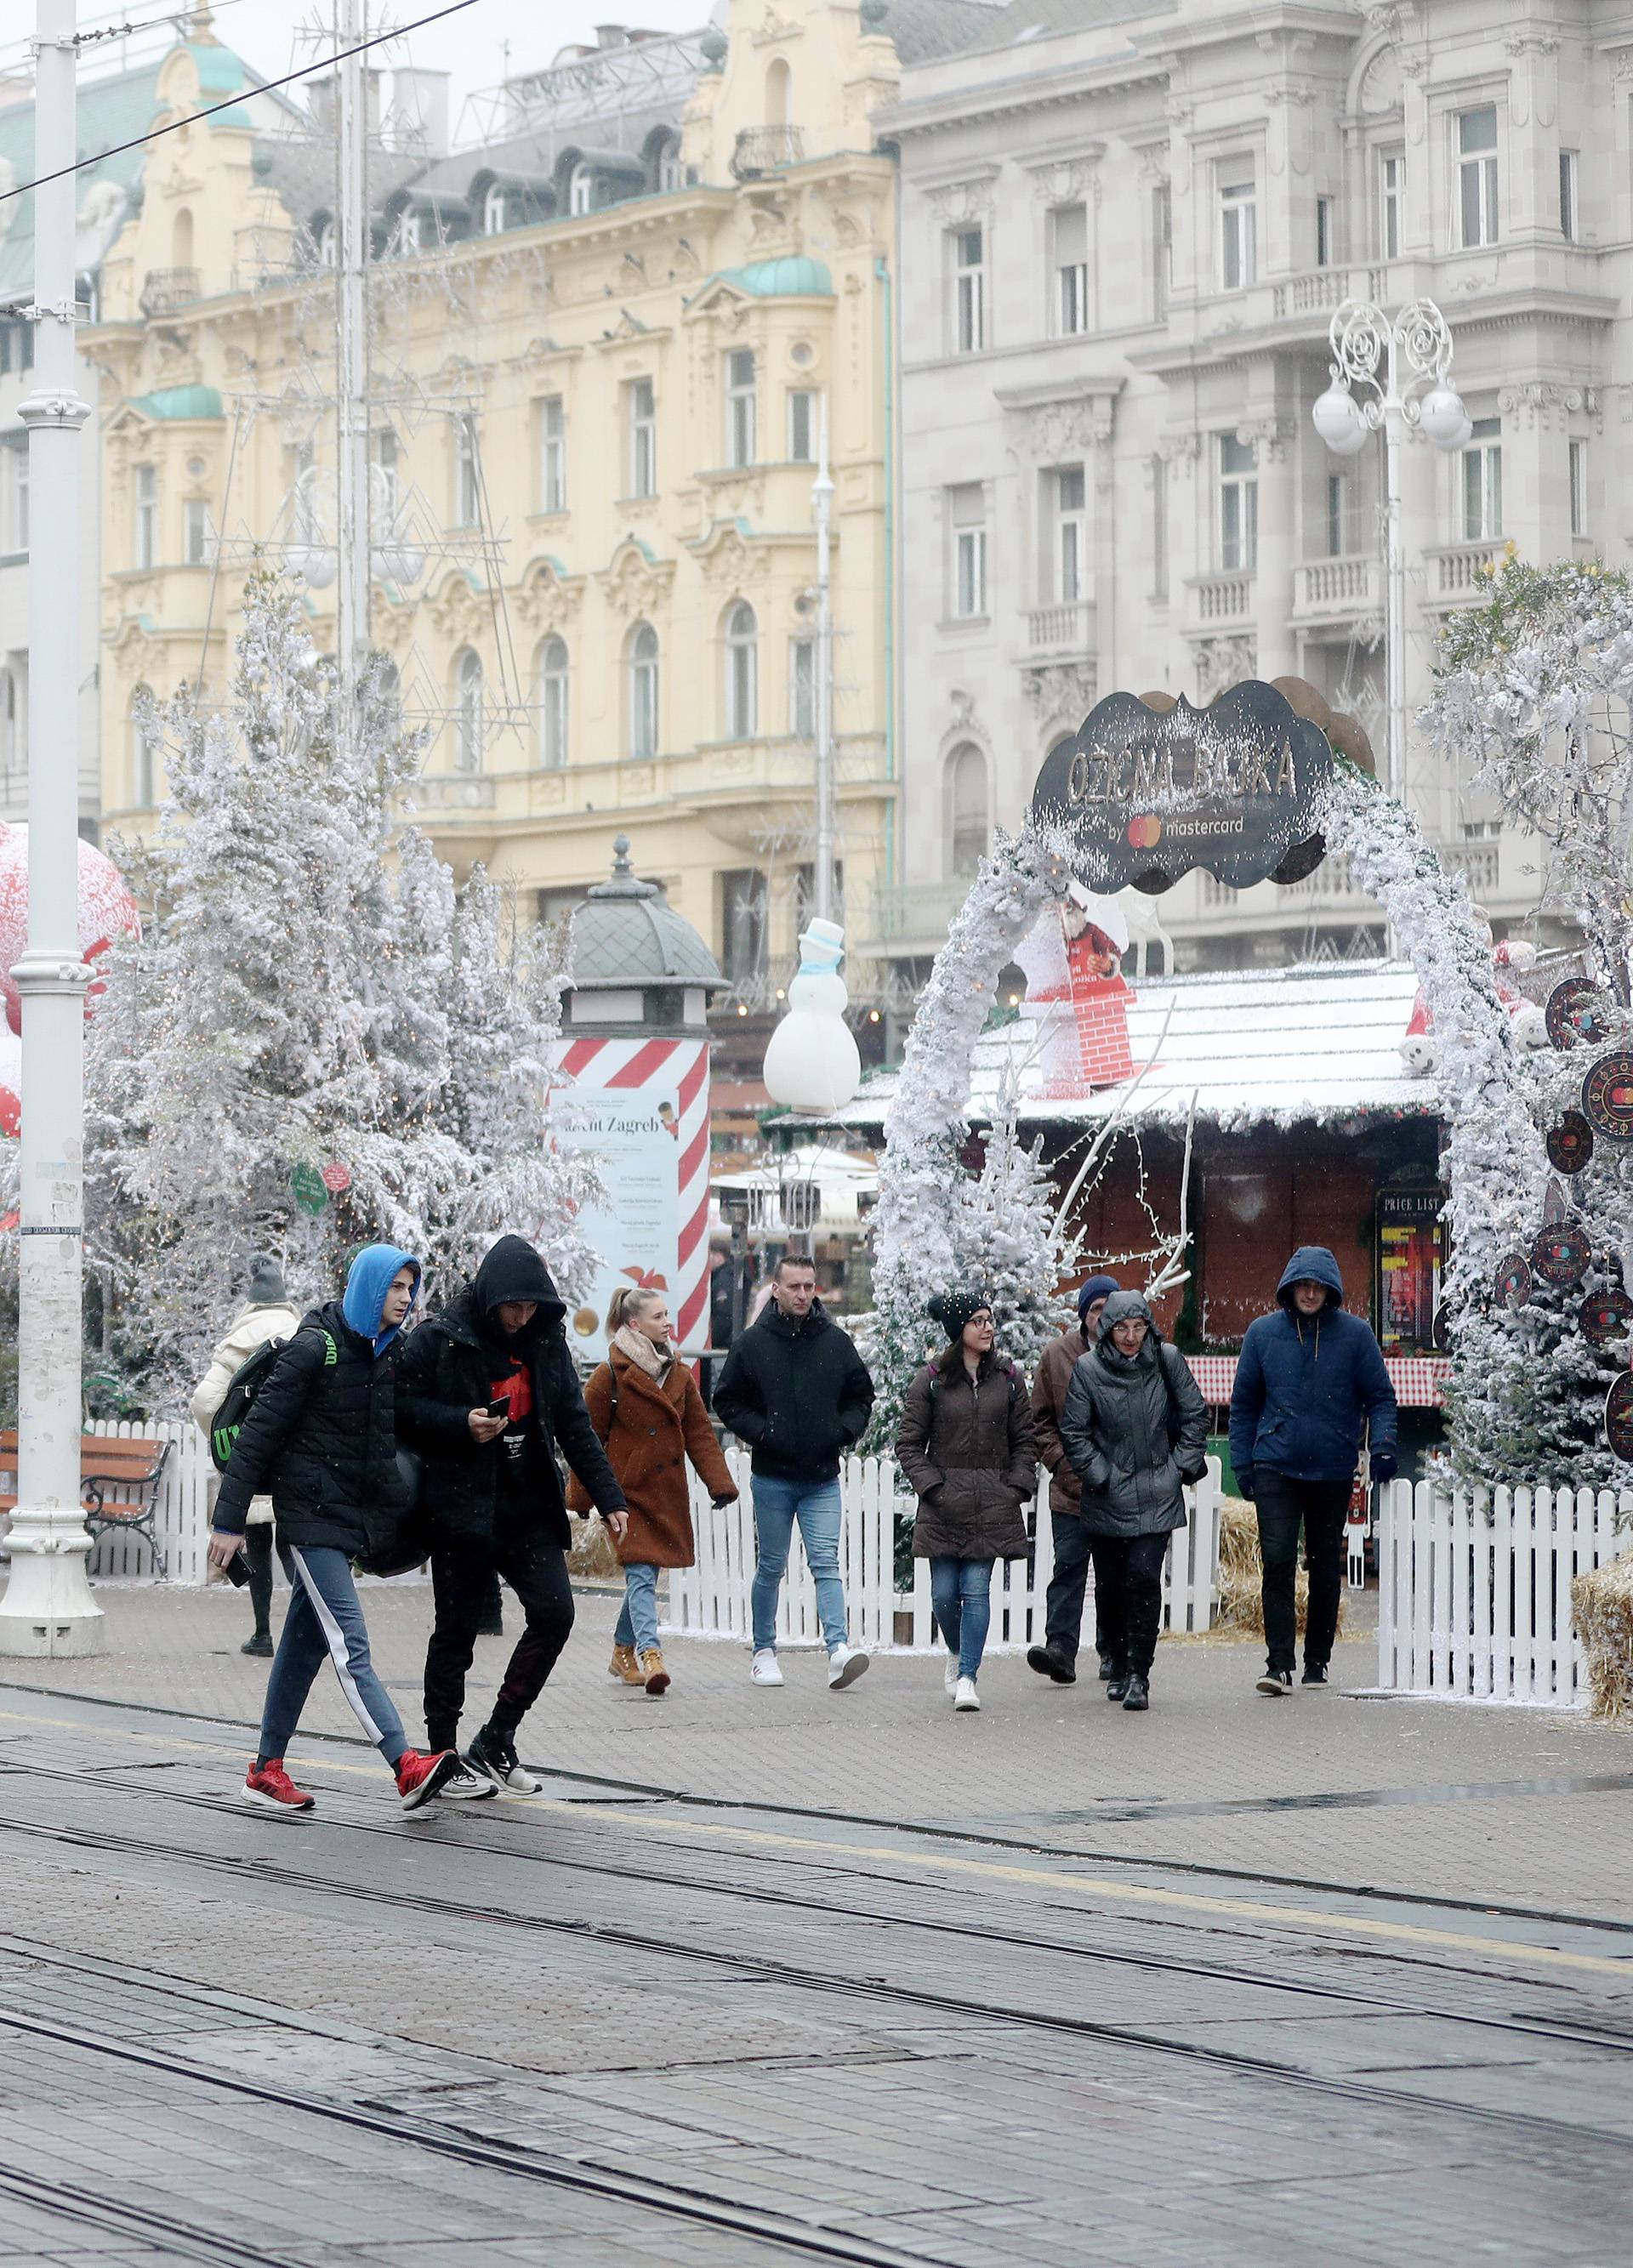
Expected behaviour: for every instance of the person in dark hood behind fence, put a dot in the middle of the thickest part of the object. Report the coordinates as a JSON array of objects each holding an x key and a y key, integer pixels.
[
  {"x": 486, "y": 1392},
  {"x": 1308, "y": 1379},
  {"x": 1057, "y": 1656},
  {"x": 1135, "y": 1426},
  {"x": 321, "y": 1438}
]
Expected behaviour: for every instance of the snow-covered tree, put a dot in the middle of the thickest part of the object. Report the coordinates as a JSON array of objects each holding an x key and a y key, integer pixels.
[{"x": 316, "y": 1042}]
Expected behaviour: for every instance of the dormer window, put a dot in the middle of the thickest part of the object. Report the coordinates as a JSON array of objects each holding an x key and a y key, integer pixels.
[
  {"x": 671, "y": 174},
  {"x": 409, "y": 233},
  {"x": 327, "y": 245},
  {"x": 493, "y": 211},
  {"x": 581, "y": 190}
]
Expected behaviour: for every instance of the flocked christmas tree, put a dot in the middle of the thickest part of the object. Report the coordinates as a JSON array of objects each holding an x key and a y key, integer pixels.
[{"x": 317, "y": 1040}]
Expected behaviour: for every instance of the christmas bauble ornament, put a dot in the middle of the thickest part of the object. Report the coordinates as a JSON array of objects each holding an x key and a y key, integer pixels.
[
  {"x": 1608, "y": 1097},
  {"x": 1577, "y": 1014},
  {"x": 1619, "y": 1418},
  {"x": 106, "y": 911},
  {"x": 337, "y": 1177},
  {"x": 812, "y": 1064},
  {"x": 1559, "y": 1255},
  {"x": 1513, "y": 1280},
  {"x": 1569, "y": 1143},
  {"x": 1604, "y": 1317}
]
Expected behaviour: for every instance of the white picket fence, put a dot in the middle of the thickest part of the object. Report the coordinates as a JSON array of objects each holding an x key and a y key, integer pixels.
[
  {"x": 1474, "y": 1586},
  {"x": 710, "y": 1598},
  {"x": 181, "y": 1513}
]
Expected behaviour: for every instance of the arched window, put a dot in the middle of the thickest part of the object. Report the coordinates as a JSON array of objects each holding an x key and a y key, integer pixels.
[
  {"x": 493, "y": 211},
  {"x": 469, "y": 723},
  {"x": 181, "y": 238},
  {"x": 408, "y": 234},
  {"x": 11, "y": 721},
  {"x": 778, "y": 94},
  {"x": 553, "y": 703},
  {"x": 581, "y": 190},
  {"x": 671, "y": 174},
  {"x": 642, "y": 702},
  {"x": 327, "y": 245},
  {"x": 143, "y": 752},
  {"x": 742, "y": 701},
  {"x": 969, "y": 821}
]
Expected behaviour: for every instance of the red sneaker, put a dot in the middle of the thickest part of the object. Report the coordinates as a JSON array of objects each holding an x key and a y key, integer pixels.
[
  {"x": 271, "y": 1788},
  {"x": 420, "y": 1778}
]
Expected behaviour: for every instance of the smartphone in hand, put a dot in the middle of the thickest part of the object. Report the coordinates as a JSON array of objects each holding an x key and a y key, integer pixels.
[
  {"x": 237, "y": 1570},
  {"x": 500, "y": 1408}
]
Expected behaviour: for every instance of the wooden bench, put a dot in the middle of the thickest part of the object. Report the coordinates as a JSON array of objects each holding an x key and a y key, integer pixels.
[{"x": 132, "y": 1466}]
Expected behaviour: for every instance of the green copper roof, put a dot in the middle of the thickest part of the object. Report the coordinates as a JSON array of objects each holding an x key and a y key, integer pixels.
[
  {"x": 179, "y": 401},
  {"x": 791, "y": 278}
]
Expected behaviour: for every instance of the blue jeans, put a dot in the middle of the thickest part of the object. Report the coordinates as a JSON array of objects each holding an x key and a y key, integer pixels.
[
  {"x": 777, "y": 1504},
  {"x": 960, "y": 1599},
  {"x": 325, "y": 1623},
  {"x": 637, "y": 1617}
]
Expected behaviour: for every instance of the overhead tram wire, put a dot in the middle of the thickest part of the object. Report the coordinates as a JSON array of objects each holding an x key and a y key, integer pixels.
[{"x": 235, "y": 101}]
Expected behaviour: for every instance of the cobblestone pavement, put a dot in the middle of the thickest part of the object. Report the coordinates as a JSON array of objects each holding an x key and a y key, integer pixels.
[{"x": 851, "y": 1979}]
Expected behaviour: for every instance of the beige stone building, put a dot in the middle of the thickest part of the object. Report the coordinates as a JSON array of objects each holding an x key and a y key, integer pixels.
[{"x": 605, "y": 341}]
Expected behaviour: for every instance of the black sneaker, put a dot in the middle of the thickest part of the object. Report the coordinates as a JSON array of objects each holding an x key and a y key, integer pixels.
[
  {"x": 260, "y": 1642},
  {"x": 1050, "y": 1663},
  {"x": 1118, "y": 1689},
  {"x": 1138, "y": 1695},
  {"x": 494, "y": 1755},
  {"x": 1276, "y": 1680},
  {"x": 1315, "y": 1674},
  {"x": 1108, "y": 1666}
]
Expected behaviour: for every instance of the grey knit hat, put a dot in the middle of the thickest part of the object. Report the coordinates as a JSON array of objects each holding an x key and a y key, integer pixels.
[{"x": 266, "y": 1282}]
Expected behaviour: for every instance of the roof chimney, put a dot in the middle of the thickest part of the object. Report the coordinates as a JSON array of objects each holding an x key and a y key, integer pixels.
[
  {"x": 420, "y": 111},
  {"x": 611, "y": 35}
]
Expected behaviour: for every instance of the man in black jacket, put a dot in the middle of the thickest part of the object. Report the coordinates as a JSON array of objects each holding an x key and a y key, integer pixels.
[
  {"x": 485, "y": 1392},
  {"x": 795, "y": 1389}
]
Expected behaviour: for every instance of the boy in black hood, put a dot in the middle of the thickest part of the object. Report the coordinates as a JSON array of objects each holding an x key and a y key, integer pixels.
[{"x": 492, "y": 1486}]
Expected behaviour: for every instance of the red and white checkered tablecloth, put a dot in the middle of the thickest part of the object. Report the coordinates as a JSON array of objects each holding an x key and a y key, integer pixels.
[{"x": 1419, "y": 1379}]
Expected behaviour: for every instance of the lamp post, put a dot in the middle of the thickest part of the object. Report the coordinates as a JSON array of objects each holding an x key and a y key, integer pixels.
[{"x": 1388, "y": 376}]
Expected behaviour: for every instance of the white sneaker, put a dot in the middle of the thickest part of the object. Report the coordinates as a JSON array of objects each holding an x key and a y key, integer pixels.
[
  {"x": 964, "y": 1695},
  {"x": 764, "y": 1669},
  {"x": 467, "y": 1787},
  {"x": 949, "y": 1677},
  {"x": 845, "y": 1665}
]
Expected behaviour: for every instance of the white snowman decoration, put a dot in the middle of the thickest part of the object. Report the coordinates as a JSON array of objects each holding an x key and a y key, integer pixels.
[{"x": 812, "y": 1064}]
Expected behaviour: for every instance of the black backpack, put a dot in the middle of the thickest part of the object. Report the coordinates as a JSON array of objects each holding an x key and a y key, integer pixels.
[{"x": 243, "y": 1388}]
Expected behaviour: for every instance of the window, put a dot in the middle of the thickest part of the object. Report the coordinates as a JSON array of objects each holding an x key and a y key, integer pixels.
[
  {"x": 581, "y": 191},
  {"x": 1324, "y": 233},
  {"x": 328, "y": 244},
  {"x": 968, "y": 826},
  {"x": 470, "y": 720},
  {"x": 745, "y": 909},
  {"x": 1477, "y": 177},
  {"x": 670, "y": 176},
  {"x": 1391, "y": 202},
  {"x": 1070, "y": 555},
  {"x": 552, "y": 454},
  {"x": 467, "y": 472},
  {"x": 1568, "y": 195},
  {"x": 803, "y": 688},
  {"x": 1577, "y": 461},
  {"x": 1239, "y": 504},
  {"x": 386, "y": 482},
  {"x": 303, "y": 513},
  {"x": 1069, "y": 229},
  {"x": 968, "y": 291},
  {"x": 1159, "y": 529},
  {"x": 1162, "y": 248},
  {"x": 967, "y": 506},
  {"x": 197, "y": 534},
  {"x": 742, "y": 699},
  {"x": 740, "y": 406},
  {"x": 1482, "y": 483},
  {"x": 493, "y": 211},
  {"x": 1238, "y": 232},
  {"x": 146, "y": 533},
  {"x": 1337, "y": 515},
  {"x": 805, "y": 893},
  {"x": 553, "y": 704},
  {"x": 642, "y": 411},
  {"x": 17, "y": 346},
  {"x": 642, "y": 739},
  {"x": 144, "y": 753},
  {"x": 409, "y": 237},
  {"x": 12, "y": 749},
  {"x": 802, "y": 420},
  {"x": 14, "y": 502}
]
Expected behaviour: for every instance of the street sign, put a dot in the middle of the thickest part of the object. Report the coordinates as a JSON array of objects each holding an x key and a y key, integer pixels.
[{"x": 1149, "y": 793}]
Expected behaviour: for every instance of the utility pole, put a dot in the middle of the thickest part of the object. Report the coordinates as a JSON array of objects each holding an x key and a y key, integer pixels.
[
  {"x": 47, "y": 1609},
  {"x": 352, "y": 529},
  {"x": 822, "y": 497}
]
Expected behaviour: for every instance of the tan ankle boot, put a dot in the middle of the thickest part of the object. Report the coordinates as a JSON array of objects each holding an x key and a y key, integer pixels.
[
  {"x": 655, "y": 1675},
  {"x": 624, "y": 1666}
]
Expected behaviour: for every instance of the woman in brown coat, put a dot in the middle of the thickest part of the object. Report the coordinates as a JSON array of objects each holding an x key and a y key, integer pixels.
[
  {"x": 967, "y": 1448},
  {"x": 646, "y": 1409}
]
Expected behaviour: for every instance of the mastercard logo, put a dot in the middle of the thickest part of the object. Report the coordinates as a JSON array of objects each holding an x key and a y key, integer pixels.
[{"x": 1145, "y": 834}]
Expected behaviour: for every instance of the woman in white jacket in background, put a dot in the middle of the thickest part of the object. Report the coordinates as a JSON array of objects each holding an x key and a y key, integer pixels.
[{"x": 266, "y": 1316}]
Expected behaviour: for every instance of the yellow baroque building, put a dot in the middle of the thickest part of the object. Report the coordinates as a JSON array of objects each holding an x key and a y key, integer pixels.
[{"x": 604, "y": 338}]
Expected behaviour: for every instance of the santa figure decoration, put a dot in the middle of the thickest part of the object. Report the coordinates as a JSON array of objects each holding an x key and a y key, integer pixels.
[{"x": 1076, "y": 993}]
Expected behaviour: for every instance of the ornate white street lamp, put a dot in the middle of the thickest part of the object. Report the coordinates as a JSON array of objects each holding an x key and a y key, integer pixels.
[{"x": 1387, "y": 376}]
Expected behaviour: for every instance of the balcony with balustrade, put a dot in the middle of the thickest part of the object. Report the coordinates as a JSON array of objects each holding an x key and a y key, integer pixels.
[
  {"x": 1459, "y": 574},
  {"x": 1062, "y": 632},
  {"x": 166, "y": 289},
  {"x": 1221, "y": 601},
  {"x": 762, "y": 149},
  {"x": 1342, "y": 591}
]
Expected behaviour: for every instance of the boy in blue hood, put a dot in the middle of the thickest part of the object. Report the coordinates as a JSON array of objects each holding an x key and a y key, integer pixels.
[
  {"x": 1309, "y": 1377},
  {"x": 321, "y": 1438}
]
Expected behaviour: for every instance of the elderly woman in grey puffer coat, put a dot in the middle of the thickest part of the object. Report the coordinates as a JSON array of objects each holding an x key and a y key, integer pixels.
[{"x": 1135, "y": 1427}]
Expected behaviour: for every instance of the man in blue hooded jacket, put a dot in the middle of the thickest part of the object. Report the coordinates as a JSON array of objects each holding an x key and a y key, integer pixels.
[{"x": 1309, "y": 1377}]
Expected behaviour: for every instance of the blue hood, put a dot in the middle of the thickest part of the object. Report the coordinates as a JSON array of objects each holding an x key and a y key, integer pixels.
[
  {"x": 366, "y": 1287},
  {"x": 1311, "y": 1264}
]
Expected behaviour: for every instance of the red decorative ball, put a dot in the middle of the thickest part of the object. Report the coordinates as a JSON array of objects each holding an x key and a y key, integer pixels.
[{"x": 106, "y": 910}]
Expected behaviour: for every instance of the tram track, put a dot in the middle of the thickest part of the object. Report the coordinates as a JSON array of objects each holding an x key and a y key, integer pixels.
[
  {"x": 183, "y": 2240},
  {"x": 776, "y": 1970}
]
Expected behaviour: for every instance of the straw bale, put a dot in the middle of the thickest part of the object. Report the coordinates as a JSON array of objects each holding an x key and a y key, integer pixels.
[
  {"x": 1241, "y": 1572},
  {"x": 1602, "y": 1607},
  {"x": 591, "y": 1551}
]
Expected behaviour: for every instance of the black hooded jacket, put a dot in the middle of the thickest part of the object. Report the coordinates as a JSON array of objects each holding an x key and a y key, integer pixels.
[
  {"x": 447, "y": 1368},
  {"x": 797, "y": 1392}
]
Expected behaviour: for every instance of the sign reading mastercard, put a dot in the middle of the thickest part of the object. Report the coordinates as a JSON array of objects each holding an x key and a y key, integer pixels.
[{"x": 1149, "y": 793}]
